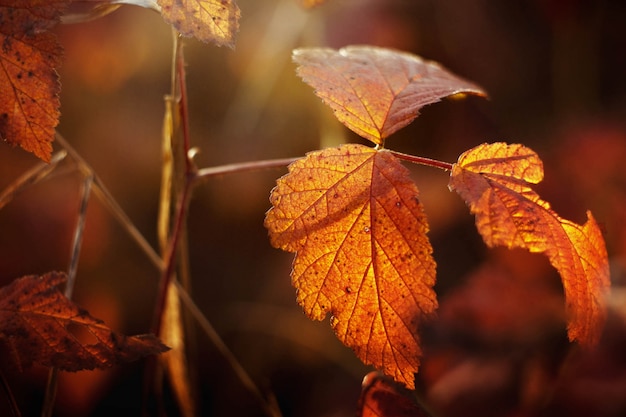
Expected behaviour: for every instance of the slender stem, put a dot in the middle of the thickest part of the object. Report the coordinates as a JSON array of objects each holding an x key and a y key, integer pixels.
[
  {"x": 15, "y": 410},
  {"x": 102, "y": 192},
  {"x": 179, "y": 95},
  {"x": 205, "y": 173},
  {"x": 182, "y": 106},
  {"x": 51, "y": 388},
  {"x": 446, "y": 166},
  {"x": 31, "y": 177},
  {"x": 170, "y": 257},
  {"x": 51, "y": 392},
  {"x": 78, "y": 236},
  {"x": 270, "y": 407}
]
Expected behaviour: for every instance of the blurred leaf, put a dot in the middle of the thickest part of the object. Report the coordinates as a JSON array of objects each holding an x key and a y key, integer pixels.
[
  {"x": 39, "y": 324},
  {"x": 353, "y": 218},
  {"x": 311, "y": 3},
  {"x": 382, "y": 398},
  {"x": 206, "y": 20},
  {"x": 494, "y": 179},
  {"x": 29, "y": 83},
  {"x": 375, "y": 91}
]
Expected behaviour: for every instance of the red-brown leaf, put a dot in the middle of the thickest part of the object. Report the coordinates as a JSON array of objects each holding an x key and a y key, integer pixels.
[
  {"x": 376, "y": 91},
  {"x": 34, "y": 321},
  {"x": 29, "y": 83}
]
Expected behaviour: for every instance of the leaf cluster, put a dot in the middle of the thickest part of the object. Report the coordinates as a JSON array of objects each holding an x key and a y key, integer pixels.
[{"x": 352, "y": 214}]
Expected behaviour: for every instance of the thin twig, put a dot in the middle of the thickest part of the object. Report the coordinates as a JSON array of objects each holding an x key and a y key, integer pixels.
[
  {"x": 102, "y": 192},
  {"x": 170, "y": 258},
  {"x": 179, "y": 94},
  {"x": 446, "y": 166},
  {"x": 78, "y": 236},
  {"x": 270, "y": 407},
  {"x": 175, "y": 187},
  {"x": 182, "y": 107},
  {"x": 239, "y": 167},
  {"x": 15, "y": 410},
  {"x": 51, "y": 393},
  {"x": 31, "y": 177},
  {"x": 52, "y": 385}
]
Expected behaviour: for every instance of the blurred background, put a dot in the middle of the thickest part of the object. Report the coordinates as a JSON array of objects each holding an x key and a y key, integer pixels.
[{"x": 555, "y": 72}]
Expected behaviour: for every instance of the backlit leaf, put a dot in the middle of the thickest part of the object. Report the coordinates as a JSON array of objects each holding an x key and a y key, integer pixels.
[
  {"x": 353, "y": 218},
  {"x": 376, "y": 91},
  {"x": 494, "y": 179},
  {"x": 214, "y": 21},
  {"x": 40, "y": 325},
  {"x": 29, "y": 83}
]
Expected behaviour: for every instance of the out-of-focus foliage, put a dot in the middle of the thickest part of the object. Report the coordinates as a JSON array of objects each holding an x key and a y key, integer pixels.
[{"x": 41, "y": 326}]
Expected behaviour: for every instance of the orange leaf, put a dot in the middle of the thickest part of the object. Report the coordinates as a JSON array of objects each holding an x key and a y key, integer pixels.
[
  {"x": 376, "y": 91},
  {"x": 29, "y": 84},
  {"x": 34, "y": 321},
  {"x": 494, "y": 179},
  {"x": 353, "y": 218},
  {"x": 207, "y": 20},
  {"x": 382, "y": 398}
]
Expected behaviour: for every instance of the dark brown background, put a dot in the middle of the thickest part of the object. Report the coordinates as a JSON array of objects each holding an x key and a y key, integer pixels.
[{"x": 555, "y": 71}]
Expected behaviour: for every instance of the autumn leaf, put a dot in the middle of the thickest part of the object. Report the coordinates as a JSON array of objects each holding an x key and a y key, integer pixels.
[
  {"x": 382, "y": 398},
  {"x": 214, "y": 21},
  {"x": 494, "y": 179},
  {"x": 29, "y": 83},
  {"x": 39, "y": 325},
  {"x": 376, "y": 91},
  {"x": 353, "y": 218}
]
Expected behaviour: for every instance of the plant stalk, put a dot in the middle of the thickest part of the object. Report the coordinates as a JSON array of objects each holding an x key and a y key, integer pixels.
[{"x": 446, "y": 166}]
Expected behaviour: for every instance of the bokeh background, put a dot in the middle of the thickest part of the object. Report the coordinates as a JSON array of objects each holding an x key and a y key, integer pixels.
[{"x": 555, "y": 72}]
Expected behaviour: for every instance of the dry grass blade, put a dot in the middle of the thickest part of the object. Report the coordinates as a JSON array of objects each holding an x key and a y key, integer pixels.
[
  {"x": 33, "y": 176},
  {"x": 51, "y": 387}
]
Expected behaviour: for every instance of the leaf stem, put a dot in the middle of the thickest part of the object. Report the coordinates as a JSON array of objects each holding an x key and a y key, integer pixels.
[{"x": 446, "y": 166}]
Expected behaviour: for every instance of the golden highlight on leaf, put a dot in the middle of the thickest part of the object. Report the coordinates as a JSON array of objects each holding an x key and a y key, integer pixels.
[
  {"x": 353, "y": 217},
  {"x": 29, "y": 83},
  {"x": 36, "y": 320},
  {"x": 214, "y": 21},
  {"x": 494, "y": 179},
  {"x": 376, "y": 91}
]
